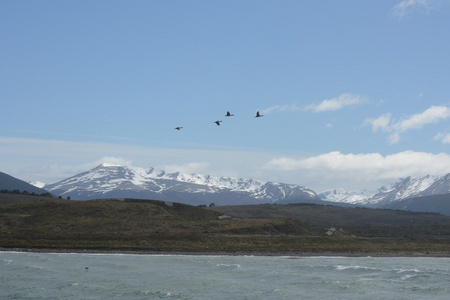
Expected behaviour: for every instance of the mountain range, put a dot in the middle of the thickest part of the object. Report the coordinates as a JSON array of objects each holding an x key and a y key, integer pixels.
[
  {"x": 405, "y": 188},
  {"x": 116, "y": 181},
  {"x": 428, "y": 193}
]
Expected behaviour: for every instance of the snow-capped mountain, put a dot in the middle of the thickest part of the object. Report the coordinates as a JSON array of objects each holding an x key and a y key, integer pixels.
[
  {"x": 439, "y": 187},
  {"x": 405, "y": 188},
  {"x": 115, "y": 181}
]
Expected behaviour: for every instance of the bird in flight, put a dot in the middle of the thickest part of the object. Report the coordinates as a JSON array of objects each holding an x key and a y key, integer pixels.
[
  {"x": 229, "y": 114},
  {"x": 218, "y": 123},
  {"x": 258, "y": 115},
  {"x": 178, "y": 128}
]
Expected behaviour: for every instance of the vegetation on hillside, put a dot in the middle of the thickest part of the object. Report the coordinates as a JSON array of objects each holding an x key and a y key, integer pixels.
[
  {"x": 356, "y": 221},
  {"x": 145, "y": 225}
]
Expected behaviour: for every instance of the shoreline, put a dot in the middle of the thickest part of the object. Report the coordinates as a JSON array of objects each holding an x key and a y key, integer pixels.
[{"x": 219, "y": 253}]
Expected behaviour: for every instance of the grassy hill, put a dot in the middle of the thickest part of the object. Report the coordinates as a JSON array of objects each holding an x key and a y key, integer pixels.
[{"x": 145, "y": 225}]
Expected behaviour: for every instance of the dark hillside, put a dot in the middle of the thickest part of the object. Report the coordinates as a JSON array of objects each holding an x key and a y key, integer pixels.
[
  {"x": 10, "y": 183},
  {"x": 434, "y": 203},
  {"x": 358, "y": 221},
  {"x": 131, "y": 224},
  {"x": 333, "y": 215}
]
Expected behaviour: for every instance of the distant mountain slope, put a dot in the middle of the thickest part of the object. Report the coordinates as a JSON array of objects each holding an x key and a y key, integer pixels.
[
  {"x": 10, "y": 183},
  {"x": 405, "y": 188},
  {"x": 440, "y": 186},
  {"x": 115, "y": 181},
  {"x": 433, "y": 203}
]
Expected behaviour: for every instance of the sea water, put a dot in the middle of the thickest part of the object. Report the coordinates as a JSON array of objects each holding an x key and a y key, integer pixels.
[{"x": 126, "y": 276}]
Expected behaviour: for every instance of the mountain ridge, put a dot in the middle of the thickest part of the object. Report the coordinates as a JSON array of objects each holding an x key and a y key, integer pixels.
[{"x": 116, "y": 181}]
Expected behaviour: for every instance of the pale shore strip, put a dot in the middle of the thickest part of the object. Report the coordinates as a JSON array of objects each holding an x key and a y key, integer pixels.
[{"x": 218, "y": 253}]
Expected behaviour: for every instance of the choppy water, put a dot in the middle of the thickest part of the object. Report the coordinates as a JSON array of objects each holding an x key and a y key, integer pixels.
[{"x": 63, "y": 276}]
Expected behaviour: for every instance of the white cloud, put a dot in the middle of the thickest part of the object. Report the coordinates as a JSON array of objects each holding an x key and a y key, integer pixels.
[
  {"x": 431, "y": 115},
  {"x": 326, "y": 105},
  {"x": 337, "y": 103},
  {"x": 394, "y": 138},
  {"x": 364, "y": 168},
  {"x": 381, "y": 122},
  {"x": 408, "y": 6},
  {"x": 281, "y": 108},
  {"x": 443, "y": 137},
  {"x": 50, "y": 161}
]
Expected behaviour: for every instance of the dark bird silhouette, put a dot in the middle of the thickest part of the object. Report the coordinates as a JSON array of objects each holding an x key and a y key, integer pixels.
[
  {"x": 228, "y": 114},
  {"x": 178, "y": 128},
  {"x": 218, "y": 123},
  {"x": 258, "y": 115}
]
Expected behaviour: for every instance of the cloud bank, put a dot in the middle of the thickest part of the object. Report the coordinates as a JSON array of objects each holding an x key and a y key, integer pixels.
[
  {"x": 50, "y": 161},
  {"x": 365, "y": 166}
]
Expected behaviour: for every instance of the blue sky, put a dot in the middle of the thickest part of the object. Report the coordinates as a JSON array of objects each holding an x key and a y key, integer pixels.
[{"x": 355, "y": 94}]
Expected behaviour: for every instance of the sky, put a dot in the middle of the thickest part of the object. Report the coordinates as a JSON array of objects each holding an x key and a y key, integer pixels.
[{"x": 354, "y": 94}]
